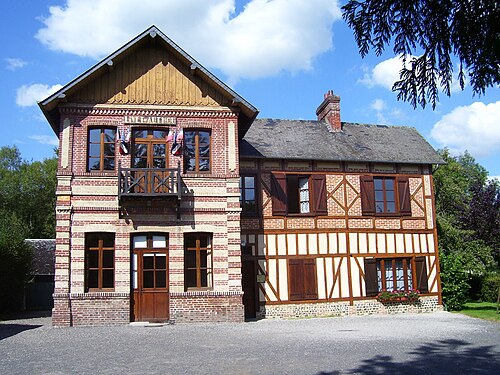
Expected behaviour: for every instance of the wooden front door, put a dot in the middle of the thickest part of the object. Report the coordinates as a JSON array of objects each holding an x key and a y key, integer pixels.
[
  {"x": 249, "y": 285},
  {"x": 150, "y": 278},
  {"x": 150, "y": 152}
]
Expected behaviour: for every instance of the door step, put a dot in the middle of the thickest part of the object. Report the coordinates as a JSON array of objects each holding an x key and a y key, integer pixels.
[{"x": 147, "y": 324}]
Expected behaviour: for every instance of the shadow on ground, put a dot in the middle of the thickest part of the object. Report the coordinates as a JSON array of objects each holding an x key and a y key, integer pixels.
[
  {"x": 12, "y": 329},
  {"x": 442, "y": 357}
]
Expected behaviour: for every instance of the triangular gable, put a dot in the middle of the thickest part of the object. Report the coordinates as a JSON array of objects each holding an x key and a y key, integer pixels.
[{"x": 150, "y": 69}]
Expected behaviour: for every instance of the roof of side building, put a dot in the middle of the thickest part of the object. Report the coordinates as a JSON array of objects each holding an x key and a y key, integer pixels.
[{"x": 312, "y": 140}]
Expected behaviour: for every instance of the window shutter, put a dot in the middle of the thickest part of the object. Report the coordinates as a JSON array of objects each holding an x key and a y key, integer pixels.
[
  {"x": 278, "y": 190},
  {"x": 310, "y": 279},
  {"x": 404, "y": 196},
  {"x": 295, "y": 279},
  {"x": 421, "y": 274},
  {"x": 319, "y": 192},
  {"x": 367, "y": 195},
  {"x": 371, "y": 277}
]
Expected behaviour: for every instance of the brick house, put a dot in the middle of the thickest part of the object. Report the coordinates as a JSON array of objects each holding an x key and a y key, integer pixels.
[{"x": 175, "y": 204}]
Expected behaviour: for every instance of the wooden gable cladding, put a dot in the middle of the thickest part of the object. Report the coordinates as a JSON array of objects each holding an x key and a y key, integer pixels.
[{"x": 150, "y": 75}]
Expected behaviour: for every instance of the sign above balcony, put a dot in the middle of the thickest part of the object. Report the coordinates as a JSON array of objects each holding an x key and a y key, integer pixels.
[{"x": 150, "y": 120}]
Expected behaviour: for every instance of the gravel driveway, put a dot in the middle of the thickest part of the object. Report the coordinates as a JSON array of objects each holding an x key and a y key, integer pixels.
[{"x": 437, "y": 343}]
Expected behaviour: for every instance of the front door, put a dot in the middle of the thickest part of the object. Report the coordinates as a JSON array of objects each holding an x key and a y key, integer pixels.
[
  {"x": 150, "y": 154},
  {"x": 150, "y": 277}
]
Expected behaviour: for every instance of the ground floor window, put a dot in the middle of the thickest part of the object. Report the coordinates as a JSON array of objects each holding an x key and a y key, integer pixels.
[
  {"x": 198, "y": 261},
  {"x": 392, "y": 274},
  {"x": 302, "y": 279},
  {"x": 99, "y": 261}
]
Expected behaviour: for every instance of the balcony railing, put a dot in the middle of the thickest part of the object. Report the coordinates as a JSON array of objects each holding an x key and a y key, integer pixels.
[{"x": 149, "y": 182}]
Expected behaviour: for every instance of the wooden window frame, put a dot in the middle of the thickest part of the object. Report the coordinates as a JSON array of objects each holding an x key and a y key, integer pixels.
[
  {"x": 198, "y": 249},
  {"x": 101, "y": 143},
  {"x": 402, "y": 198},
  {"x": 281, "y": 194},
  {"x": 416, "y": 266},
  {"x": 149, "y": 142},
  {"x": 243, "y": 197},
  {"x": 197, "y": 150},
  {"x": 100, "y": 248}
]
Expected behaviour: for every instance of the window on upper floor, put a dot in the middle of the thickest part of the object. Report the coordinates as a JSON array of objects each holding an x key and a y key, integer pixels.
[
  {"x": 99, "y": 261},
  {"x": 248, "y": 202},
  {"x": 302, "y": 279},
  {"x": 392, "y": 274},
  {"x": 149, "y": 148},
  {"x": 385, "y": 196},
  {"x": 298, "y": 194},
  {"x": 101, "y": 149},
  {"x": 197, "y": 146},
  {"x": 198, "y": 261}
]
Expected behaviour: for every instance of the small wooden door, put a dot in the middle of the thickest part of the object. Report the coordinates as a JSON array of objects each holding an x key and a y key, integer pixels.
[
  {"x": 150, "y": 278},
  {"x": 249, "y": 284},
  {"x": 150, "y": 152}
]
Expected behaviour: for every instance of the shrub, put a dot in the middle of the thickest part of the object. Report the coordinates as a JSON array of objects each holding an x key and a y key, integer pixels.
[
  {"x": 454, "y": 281},
  {"x": 489, "y": 289}
]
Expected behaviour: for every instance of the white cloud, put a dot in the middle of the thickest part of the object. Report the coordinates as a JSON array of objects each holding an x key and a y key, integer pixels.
[
  {"x": 14, "y": 63},
  {"x": 474, "y": 128},
  {"x": 28, "y": 95},
  {"x": 379, "y": 106},
  {"x": 491, "y": 178},
  {"x": 45, "y": 139},
  {"x": 384, "y": 74},
  {"x": 267, "y": 37}
]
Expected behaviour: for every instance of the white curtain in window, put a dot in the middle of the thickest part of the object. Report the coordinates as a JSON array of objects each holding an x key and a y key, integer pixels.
[{"x": 304, "y": 194}]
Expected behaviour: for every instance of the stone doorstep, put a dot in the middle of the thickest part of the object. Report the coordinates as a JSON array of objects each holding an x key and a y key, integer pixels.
[{"x": 147, "y": 324}]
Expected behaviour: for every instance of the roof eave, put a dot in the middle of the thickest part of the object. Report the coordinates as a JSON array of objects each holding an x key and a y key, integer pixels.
[{"x": 50, "y": 103}]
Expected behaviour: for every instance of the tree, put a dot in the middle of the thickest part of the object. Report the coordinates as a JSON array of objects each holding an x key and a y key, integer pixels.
[
  {"x": 28, "y": 190},
  {"x": 428, "y": 34},
  {"x": 27, "y": 210},
  {"x": 467, "y": 213}
]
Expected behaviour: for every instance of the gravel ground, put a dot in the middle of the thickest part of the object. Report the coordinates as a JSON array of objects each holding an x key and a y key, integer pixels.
[{"x": 437, "y": 343}]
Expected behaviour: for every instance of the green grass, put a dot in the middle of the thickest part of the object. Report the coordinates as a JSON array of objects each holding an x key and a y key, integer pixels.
[{"x": 481, "y": 310}]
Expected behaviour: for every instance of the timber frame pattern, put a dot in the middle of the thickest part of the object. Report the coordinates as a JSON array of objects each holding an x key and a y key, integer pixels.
[
  {"x": 196, "y": 212},
  {"x": 342, "y": 240}
]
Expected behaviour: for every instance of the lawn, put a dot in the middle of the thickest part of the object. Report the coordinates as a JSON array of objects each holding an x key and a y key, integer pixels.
[{"x": 481, "y": 310}]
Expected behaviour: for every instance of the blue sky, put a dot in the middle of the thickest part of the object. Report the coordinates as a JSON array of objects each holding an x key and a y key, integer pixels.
[{"x": 280, "y": 55}]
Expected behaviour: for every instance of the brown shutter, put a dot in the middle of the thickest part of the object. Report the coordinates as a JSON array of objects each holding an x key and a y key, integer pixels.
[
  {"x": 278, "y": 190},
  {"x": 295, "y": 279},
  {"x": 421, "y": 274},
  {"x": 367, "y": 195},
  {"x": 310, "y": 279},
  {"x": 319, "y": 191},
  {"x": 371, "y": 277},
  {"x": 404, "y": 196}
]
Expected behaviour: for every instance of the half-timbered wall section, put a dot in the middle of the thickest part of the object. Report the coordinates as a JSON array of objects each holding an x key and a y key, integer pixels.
[{"x": 338, "y": 242}]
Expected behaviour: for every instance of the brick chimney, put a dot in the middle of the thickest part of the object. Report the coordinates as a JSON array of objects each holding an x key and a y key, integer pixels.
[{"x": 329, "y": 111}]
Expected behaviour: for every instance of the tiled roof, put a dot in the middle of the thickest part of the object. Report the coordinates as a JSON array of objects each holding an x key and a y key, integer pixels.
[
  {"x": 44, "y": 256},
  {"x": 312, "y": 140}
]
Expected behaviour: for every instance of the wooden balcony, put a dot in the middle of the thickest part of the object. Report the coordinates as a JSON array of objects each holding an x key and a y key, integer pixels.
[{"x": 149, "y": 182}]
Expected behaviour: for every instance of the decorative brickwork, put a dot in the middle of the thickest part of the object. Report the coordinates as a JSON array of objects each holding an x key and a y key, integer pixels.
[
  {"x": 91, "y": 309},
  {"x": 206, "y": 307}
]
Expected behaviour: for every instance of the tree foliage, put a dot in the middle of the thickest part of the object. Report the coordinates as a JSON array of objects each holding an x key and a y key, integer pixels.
[
  {"x": 27, "y": 210},
  {"x": 468, "y": 221},
  {"x": 428, "y": 34}
]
